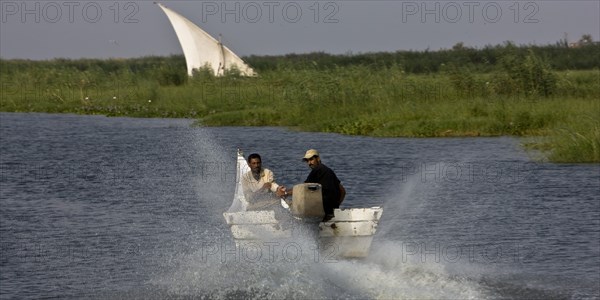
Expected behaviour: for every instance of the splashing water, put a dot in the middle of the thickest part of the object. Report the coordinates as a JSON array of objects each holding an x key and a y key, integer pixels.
[{"x": 299, "y": 269}]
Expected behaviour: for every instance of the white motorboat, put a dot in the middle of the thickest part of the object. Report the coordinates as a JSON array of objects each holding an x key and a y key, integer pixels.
[{"x": 350, "y": 231}]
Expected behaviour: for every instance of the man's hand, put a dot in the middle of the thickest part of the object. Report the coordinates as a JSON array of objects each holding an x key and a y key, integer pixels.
[
  {"x": 280, "y": 191},
  {"x": 266, "y": 186}
]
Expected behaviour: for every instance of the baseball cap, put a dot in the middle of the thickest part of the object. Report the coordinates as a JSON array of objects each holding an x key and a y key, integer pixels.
[{"x": 310, "y": 154}]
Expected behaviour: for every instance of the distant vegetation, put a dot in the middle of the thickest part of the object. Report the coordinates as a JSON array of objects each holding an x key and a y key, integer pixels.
[
  {"x": 547, "y": 91},
  {"x": 559, "y": 56}
]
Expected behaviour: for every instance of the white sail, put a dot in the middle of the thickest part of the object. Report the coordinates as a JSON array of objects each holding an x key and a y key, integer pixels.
[{"x": 201, "y": 49}]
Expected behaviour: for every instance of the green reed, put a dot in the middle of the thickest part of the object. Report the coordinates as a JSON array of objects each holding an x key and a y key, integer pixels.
[{"x": 354, "y": 99}]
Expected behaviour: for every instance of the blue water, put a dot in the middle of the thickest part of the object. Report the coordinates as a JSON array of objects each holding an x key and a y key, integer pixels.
[{"x": 100, "y": 207}]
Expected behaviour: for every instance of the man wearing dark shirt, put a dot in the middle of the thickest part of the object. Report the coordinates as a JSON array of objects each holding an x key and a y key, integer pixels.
[{"x": 333, "y": 190}]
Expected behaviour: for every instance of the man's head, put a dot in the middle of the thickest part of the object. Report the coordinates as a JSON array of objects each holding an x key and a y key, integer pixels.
[
  {"x": 255, "y": 162},
  {"x": 312, "y": 158}
]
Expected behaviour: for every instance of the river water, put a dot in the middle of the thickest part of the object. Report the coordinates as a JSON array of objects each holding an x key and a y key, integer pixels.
[{"x": 96, "y": 207}]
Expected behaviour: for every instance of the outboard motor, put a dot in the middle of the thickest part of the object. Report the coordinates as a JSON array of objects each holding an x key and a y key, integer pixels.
[{"x": 307, "y": 200}]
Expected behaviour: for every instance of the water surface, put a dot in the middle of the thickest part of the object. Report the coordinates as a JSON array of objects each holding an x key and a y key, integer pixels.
[{"x": 132, "y": 208}]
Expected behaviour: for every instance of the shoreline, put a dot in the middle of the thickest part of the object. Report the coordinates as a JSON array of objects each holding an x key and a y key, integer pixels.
[{"x": 536, "y": 145}]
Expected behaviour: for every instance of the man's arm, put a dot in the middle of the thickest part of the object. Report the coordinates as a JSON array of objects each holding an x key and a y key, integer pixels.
[
  {"x": 279, "y": 190},
  {"x": 270, "y": 181},
  {"x": 342, "y": 194}
]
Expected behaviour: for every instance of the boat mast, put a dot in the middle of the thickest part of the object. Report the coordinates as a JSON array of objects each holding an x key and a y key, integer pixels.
[{"x": 222, "y": 62}]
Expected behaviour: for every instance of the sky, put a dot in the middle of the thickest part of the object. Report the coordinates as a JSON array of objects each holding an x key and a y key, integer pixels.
[{"x": 122, "y": 29}]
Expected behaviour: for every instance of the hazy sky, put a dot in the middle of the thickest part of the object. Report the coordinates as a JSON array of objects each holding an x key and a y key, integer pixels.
[{"x": 100, "y": 29}]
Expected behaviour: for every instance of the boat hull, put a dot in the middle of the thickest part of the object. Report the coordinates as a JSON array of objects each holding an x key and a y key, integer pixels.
[{"x": 348, "y": 234}]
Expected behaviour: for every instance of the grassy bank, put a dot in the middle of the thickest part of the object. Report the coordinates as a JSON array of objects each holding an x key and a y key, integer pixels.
[
  {"x": 522, "y": 96},
  {"x": 572, "y": 142}
]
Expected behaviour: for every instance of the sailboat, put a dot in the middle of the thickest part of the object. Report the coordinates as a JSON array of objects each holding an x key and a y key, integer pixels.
[
  {"x": 202, "y": 50},
  {"x": 350, "y": 231}
]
